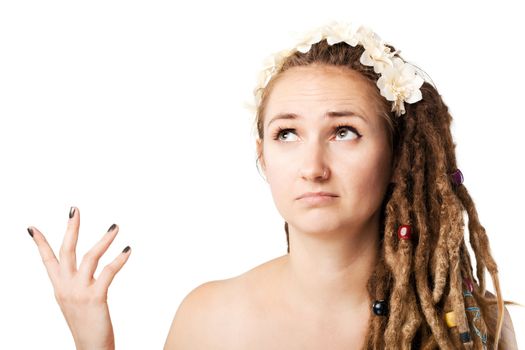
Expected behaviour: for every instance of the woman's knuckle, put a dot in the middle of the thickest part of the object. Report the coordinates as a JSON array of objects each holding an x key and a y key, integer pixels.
[
  {"x": 89, "y": 257},
  {"x": 112, "y": 269},
  {"x": 59, "y": 296},
  {"x": 65, "y": 250},
  {"x": 48, "y": 259},
  {"x": 100, "y": 296},
  {"x": 64, "y": 297}
]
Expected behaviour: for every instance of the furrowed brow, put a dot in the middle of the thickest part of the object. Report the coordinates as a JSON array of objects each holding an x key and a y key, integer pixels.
[{"x": 331, "y": 114}]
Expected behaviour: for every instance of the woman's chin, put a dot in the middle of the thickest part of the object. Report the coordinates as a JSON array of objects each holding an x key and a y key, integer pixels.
[{"x": 317, "y": 227}]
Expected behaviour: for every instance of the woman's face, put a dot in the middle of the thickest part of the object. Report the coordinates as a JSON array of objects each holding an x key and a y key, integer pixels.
[{"x": 336, "y": 142}]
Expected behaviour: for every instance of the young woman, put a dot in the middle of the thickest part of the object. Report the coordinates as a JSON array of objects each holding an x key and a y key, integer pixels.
[{"x": 357, "y": 150}]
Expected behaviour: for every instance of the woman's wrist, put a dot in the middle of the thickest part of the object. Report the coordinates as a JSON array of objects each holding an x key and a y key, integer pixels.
[{"x": 110, "y": 346}]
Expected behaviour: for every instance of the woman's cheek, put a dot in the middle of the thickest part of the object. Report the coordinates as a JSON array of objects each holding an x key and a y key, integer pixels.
[{"x": 367, "y": 174}]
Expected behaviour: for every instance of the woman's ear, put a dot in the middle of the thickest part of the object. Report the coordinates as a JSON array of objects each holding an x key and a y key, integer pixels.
[
  {"x": 259, "y": 147},
  {"x": 393, "y": 165},
  {"x": 260, "y": 158}
]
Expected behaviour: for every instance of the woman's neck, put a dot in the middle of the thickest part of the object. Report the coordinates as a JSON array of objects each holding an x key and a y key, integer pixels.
[{"x": 326, "y": 271}]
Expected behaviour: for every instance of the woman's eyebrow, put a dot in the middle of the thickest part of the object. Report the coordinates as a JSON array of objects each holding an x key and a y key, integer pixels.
[{"x": 330, "y": 114}]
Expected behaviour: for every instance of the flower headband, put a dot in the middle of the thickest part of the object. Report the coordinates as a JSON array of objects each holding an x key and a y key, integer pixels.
[{"x": 398, "y": 82}]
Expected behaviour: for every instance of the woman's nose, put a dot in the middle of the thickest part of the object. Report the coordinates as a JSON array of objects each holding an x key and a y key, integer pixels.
[{"x": 314, "y": 166}]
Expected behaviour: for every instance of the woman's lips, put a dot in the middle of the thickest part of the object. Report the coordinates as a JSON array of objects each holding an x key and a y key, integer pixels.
[
  {"x": 315, "y": 194},
  {"x": 318, "y": 199}
]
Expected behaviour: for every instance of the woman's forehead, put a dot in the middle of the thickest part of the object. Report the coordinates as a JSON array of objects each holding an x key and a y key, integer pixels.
[{"x": 321, "y": 89}]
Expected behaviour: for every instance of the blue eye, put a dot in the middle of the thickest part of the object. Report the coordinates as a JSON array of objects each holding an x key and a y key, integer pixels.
[{"x": 283, "y": 131}]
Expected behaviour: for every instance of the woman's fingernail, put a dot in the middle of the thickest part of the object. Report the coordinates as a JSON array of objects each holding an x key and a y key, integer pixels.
[
  {"x": 30, "y": 230},
  {"x": 71, "y": 212},
  {"x": 112, "y": 227},
  {"x": 126, "y": 249}
]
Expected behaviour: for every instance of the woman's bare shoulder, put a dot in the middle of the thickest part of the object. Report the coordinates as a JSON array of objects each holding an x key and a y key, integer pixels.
[
  {"x": 215, "y": 310},
  {"x": 508, "y": 337},
  {"x": 203, "y": 314}
]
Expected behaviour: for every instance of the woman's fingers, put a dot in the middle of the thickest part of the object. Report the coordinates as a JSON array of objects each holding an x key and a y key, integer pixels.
[
  {"x": 67, "y": 253},
  {"x": 107, "y": 274},
  {"x": 47, "y": 254},
  {"x": 89, "y": 262}
]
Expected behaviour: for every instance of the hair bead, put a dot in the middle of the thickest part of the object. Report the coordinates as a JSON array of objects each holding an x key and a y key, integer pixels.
[
  {"x": 457, "y": 177},
  {"x": 465, "y": 337},
  {"x": 450, "y": 319},
  {"x": 404, "y": 232},
  {"x": 380, "y": 308},
  {"x": 468, "y": 283}
]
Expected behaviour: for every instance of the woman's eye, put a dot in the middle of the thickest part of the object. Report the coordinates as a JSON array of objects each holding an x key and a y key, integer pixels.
[
  {"x": 282, "y": 132},
  {"x": 342, "y": 130}
]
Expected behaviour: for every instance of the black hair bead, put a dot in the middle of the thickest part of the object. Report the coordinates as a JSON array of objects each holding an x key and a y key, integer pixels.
[
  {"x": 380, "y": 308},
  {"x": 465, "y": 337}
]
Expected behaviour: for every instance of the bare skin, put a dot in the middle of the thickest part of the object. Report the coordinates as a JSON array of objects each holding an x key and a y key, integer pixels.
[{"x": 250, "y": 312}]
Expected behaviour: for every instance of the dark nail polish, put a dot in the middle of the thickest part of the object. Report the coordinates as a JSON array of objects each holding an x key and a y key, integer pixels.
[
  {"x": 126, "y": 249},
  {"x": 30, "y": 230},
  {"x": 112, "y": 227},
  {"x": 71, "y": 212}
]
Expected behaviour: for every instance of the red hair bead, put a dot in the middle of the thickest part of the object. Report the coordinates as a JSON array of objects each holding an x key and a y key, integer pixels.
[
  {"x": 470, "y": 286},
  {"x": 404, "y": 232}
]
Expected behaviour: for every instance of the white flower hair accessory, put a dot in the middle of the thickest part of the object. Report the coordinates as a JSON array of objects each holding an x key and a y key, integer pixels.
[{"x": 399, "y": 81}]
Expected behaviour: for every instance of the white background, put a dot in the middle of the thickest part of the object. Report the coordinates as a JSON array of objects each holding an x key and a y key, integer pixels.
[{"x": 133, "y": 112}]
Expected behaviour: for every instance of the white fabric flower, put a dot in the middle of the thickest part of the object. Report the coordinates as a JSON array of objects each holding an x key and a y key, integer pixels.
[
  {"x": 400, "y": 83},
  {"x": 376, "y": 53},
  {"x": 341, "y": 32},
  {"x": 271, "y": 65},
  {"x": 309, "y": 39}
]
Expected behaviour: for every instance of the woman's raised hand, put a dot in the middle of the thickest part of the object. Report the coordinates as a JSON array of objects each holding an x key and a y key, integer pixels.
[{"x": 82, "y": 299}]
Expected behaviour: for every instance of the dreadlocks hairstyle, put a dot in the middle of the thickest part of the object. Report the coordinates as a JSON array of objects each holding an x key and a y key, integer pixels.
[{"x": 430, "y": 276}]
